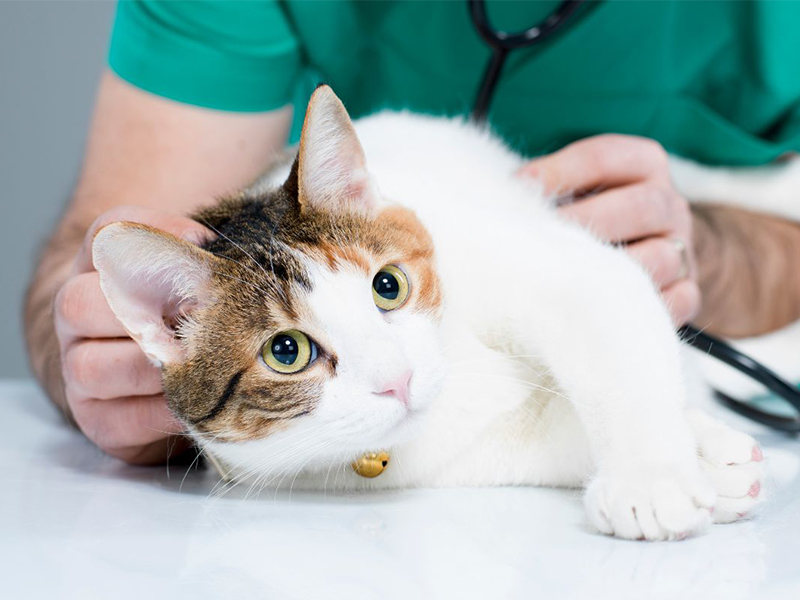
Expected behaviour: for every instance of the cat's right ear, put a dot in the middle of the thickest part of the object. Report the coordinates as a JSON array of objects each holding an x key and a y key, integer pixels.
[
  {"x": 149, "y": 279},
  {"x": 331, "y": 169}
]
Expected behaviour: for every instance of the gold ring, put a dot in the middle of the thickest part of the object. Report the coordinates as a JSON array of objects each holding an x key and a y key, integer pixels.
[{"x": 683, "y": 252}]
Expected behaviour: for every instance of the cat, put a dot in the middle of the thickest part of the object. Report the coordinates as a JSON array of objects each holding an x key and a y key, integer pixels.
[{"x": 428, "y": 310}]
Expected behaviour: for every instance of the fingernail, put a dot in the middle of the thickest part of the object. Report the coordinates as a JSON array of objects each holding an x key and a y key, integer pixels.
[{"x": 198, "y": 238}]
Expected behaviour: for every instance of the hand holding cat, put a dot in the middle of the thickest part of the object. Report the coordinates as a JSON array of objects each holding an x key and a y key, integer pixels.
[
  {"x": 625, "y": 196},
  {"x": 113, "y": 390}
]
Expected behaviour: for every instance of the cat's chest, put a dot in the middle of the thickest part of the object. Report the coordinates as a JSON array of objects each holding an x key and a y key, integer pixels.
[{"x": 489, "y": 411}]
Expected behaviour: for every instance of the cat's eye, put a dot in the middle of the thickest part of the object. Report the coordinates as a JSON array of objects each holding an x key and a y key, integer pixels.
[
  {"x": 390, "y": 288},
  {"x": 289, "y": 352}
]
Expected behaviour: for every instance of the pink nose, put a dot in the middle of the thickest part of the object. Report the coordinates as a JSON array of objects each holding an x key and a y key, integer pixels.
[{"x": 397, "y": 387}]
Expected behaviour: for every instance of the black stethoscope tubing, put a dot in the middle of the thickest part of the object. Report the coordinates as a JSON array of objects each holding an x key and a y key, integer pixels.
[
  {"x": 724, "y": 352},
  {"x": 501, "y": 44}
]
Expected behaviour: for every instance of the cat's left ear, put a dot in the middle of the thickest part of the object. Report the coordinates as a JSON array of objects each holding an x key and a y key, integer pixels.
[
  {"x": 151, "y": 278},
  {"x": 331, "y": 168}
]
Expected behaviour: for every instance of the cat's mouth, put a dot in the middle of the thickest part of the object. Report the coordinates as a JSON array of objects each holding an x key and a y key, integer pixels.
[{"x": 405, "y": 425}]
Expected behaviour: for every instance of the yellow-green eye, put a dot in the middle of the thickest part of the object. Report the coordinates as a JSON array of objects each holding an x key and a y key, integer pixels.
[
  {"x": 390, "y": 288},
  {"x": 289, "y": 352}
]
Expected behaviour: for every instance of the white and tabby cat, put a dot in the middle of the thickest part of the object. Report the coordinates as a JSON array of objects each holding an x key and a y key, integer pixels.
[{"x": 416, "y": 298}]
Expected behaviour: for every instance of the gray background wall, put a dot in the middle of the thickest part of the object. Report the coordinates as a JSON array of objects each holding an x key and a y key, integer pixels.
[{"x": 51, "y": 56}]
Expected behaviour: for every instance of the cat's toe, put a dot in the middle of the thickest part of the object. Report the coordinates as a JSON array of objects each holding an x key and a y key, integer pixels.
[
  {"x": 740, "y": 488},
  {"x": 719, "y": 444},
  {"x": 734, "y": 464},
  {"x": 730, "y": 510}
]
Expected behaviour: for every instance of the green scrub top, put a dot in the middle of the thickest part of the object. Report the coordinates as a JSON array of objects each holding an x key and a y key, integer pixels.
[{"x": 712, "y": 80}]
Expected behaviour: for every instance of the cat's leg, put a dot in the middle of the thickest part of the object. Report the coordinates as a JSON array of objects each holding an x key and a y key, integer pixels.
[
  {"x": 733, "y": 462},
  {"x": 597, "y": 321}
]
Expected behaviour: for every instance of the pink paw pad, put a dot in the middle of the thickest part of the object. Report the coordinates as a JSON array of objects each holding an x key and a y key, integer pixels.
[
  {"x": 757, "y": 454},
  {"x": 754, "y": 489}
]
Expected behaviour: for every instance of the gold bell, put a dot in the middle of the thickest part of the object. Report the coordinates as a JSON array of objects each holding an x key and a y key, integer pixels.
[{"x": 371, "y": 464}]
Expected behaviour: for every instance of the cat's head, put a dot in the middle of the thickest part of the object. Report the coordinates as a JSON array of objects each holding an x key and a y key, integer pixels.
[{"x": 308, "y": 330}]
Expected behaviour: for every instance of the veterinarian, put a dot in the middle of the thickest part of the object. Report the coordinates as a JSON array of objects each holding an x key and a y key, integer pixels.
[{"x": 199, "y": 97}]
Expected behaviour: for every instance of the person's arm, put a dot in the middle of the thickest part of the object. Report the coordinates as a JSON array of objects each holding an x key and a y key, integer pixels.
[
  {"x": 747, "y": 270},
  {"x": 164, "y": 160},
  {"x": 742, "y": 266}
]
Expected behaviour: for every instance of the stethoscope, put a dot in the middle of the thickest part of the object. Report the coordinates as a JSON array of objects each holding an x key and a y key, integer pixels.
[{"x": 502, "y": 43}]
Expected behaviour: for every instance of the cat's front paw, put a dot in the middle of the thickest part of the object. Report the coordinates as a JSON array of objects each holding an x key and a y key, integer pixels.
[
  {"x": 652, "y": 502},
  {"x": 732, "y": 460}
]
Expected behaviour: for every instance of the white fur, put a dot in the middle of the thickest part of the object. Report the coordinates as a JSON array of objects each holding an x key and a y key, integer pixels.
[
  {"x": 555, "y": 364},
  {"x": 771, "y": 189}
]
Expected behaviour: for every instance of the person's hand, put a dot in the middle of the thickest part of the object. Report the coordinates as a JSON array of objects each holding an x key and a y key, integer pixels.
[
  {"x": 624, "y": 195},
  {"x": 113, "y": 391}
]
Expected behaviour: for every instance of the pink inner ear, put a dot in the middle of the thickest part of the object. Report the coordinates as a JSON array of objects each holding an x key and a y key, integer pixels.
[
  {"x": 148, "y": 276},
  {"x": 144, "y": 305},
  {"x": 339, "y": 182},
  {"x": 359, "y": 188}
]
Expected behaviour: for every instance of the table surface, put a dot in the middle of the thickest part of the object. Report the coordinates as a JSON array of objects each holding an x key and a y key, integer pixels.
[{"x": 75, "y": 523}]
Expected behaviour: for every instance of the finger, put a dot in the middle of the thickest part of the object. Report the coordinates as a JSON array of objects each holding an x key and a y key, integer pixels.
[
  {"x": 662, "y": 259},
  {"x": 122, "y": 424},
  {"x": 81, "y": 310},
  {"x": 605, "y": 160},
  {"x": 683, "y": 301},
  {"x": 105, "y": 369},
  {"x": 154, "y": 453},
  {"x": 626, "y": 213},
  {"x": 178, "y": 225}
]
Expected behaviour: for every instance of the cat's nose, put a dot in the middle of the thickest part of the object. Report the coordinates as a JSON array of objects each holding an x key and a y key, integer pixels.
[{"x": 398, "y": 387}]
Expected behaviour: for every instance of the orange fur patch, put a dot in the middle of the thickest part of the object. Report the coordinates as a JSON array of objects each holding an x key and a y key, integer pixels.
[
  {"x": 395, "y": 235},
  {"x": 403, "y": 232},
  {"x": 334, "y": 255}
]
